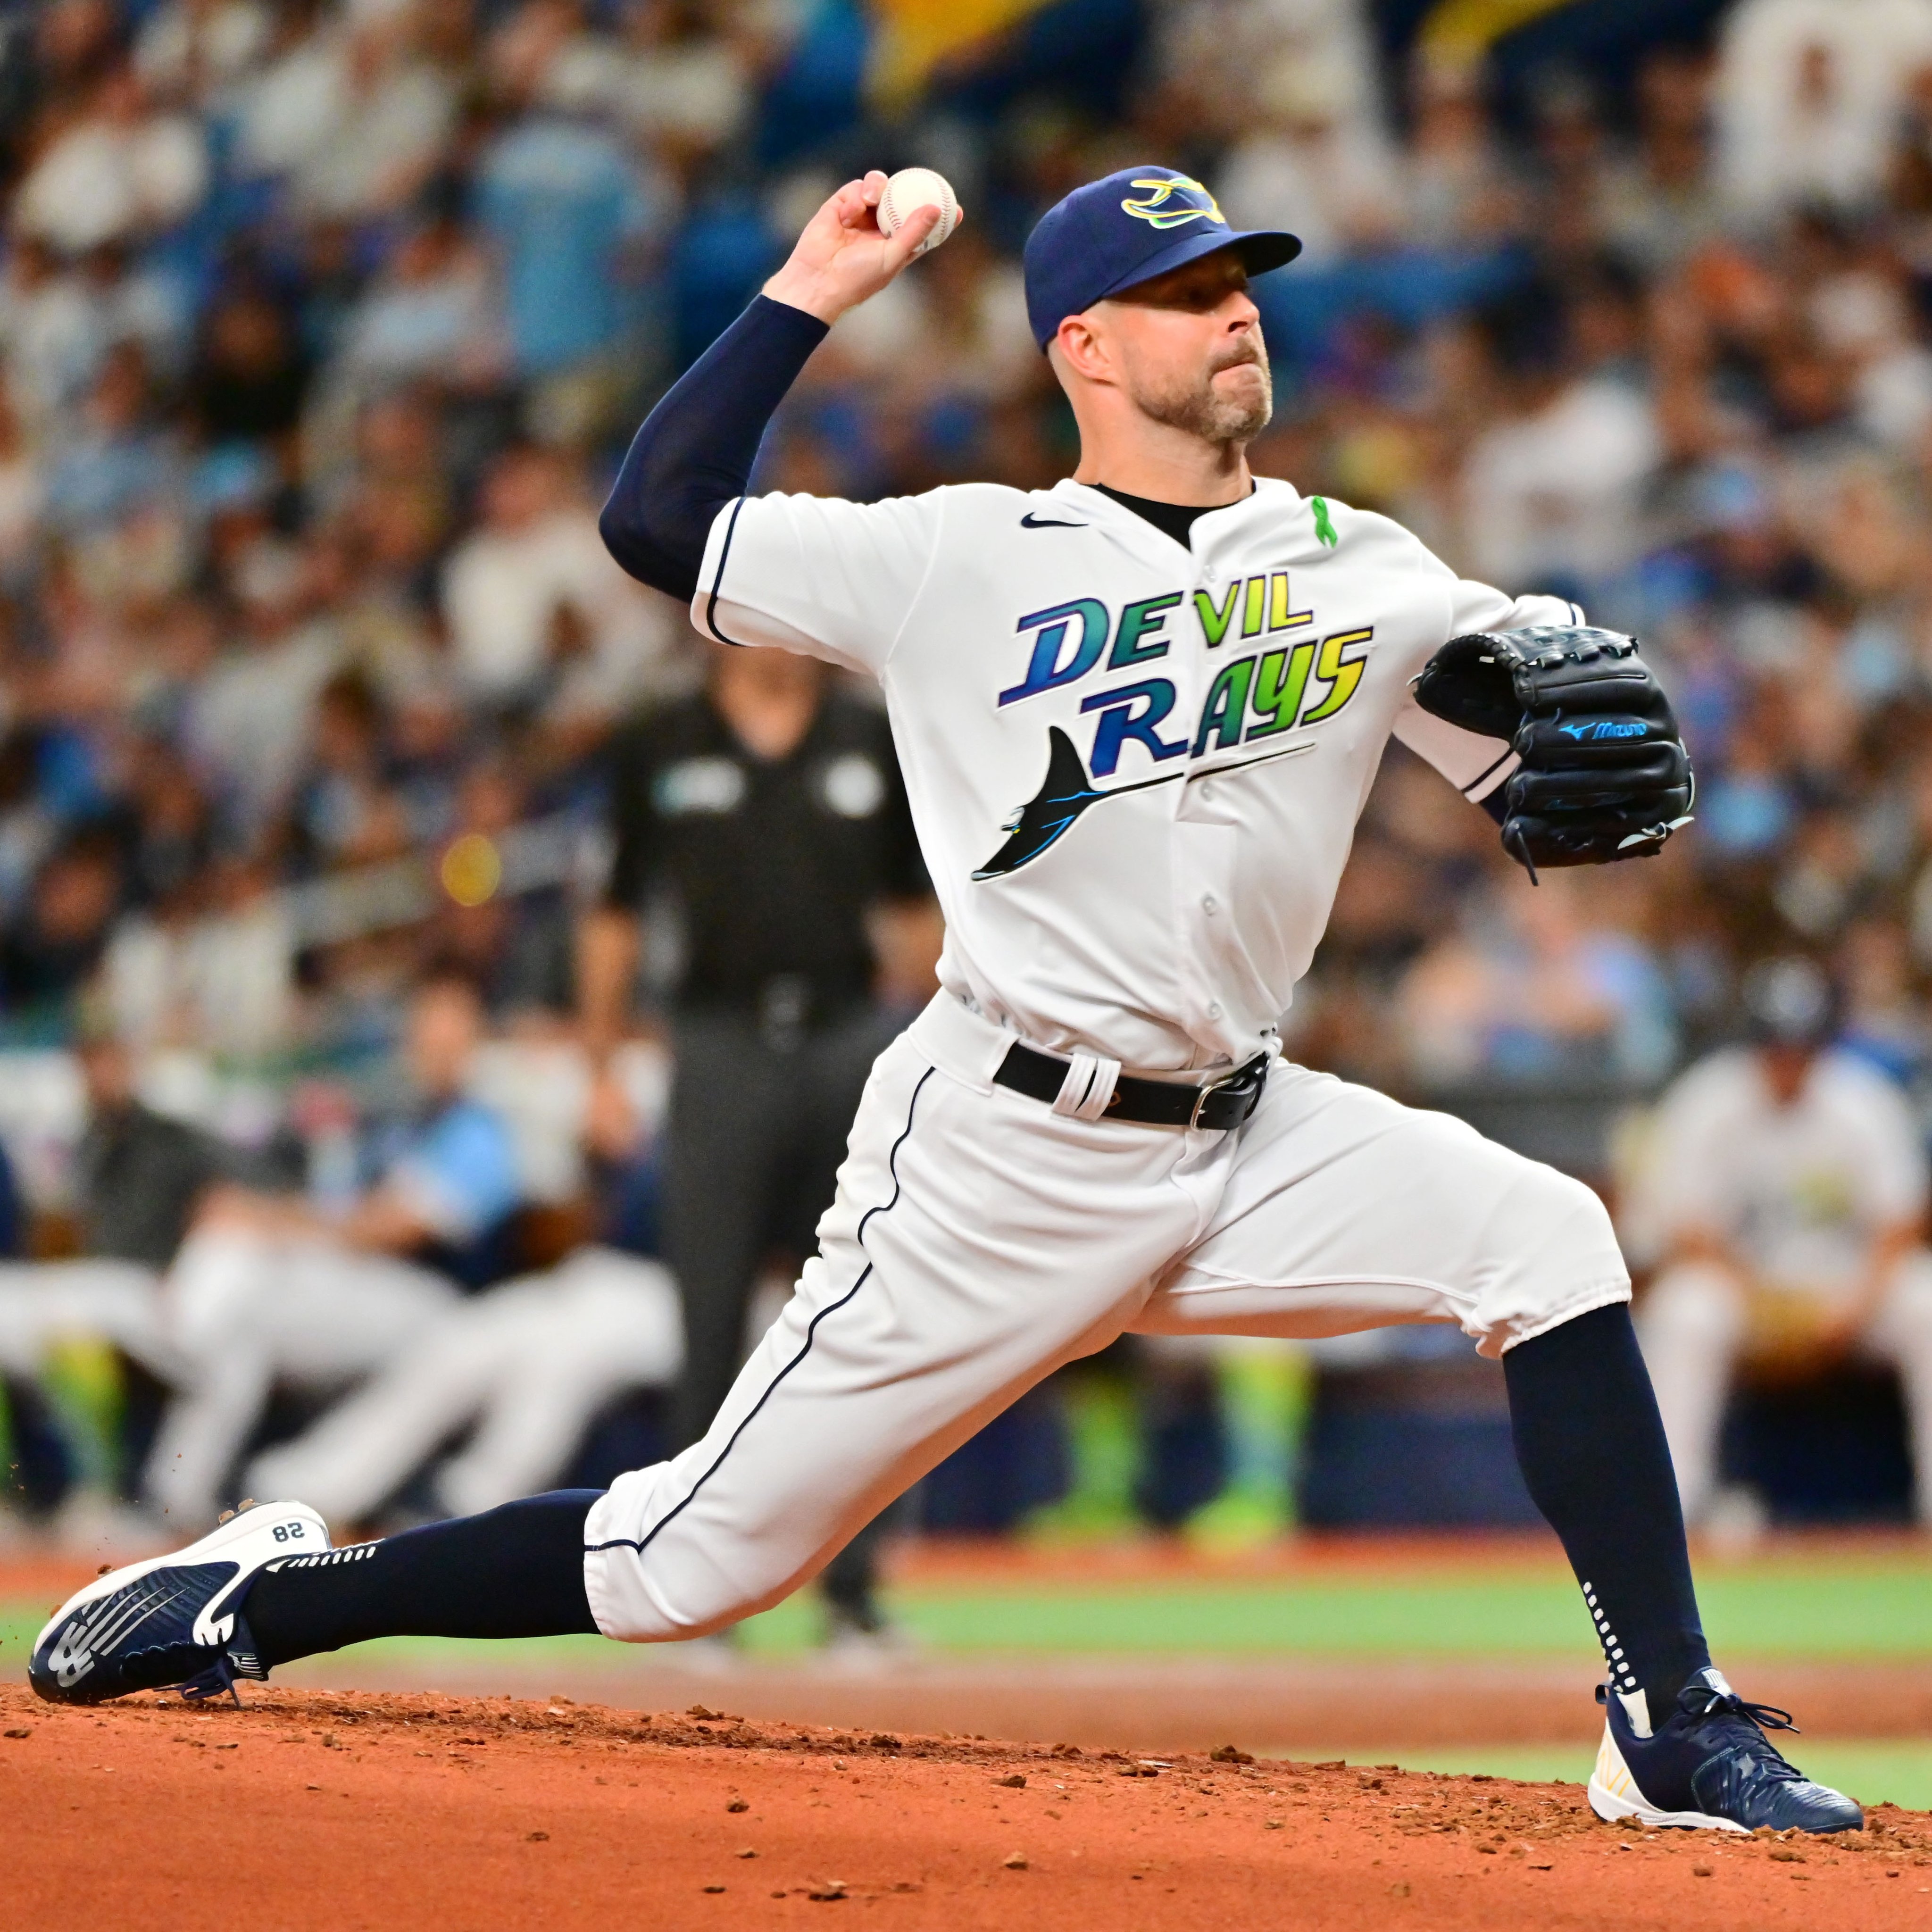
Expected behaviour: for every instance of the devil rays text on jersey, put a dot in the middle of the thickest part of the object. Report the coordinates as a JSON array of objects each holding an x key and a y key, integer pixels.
[{"x": 1256, "y": 697}]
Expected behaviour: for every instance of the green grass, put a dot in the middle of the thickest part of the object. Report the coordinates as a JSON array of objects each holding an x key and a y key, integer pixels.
[
  {"x": 1849, "y": 1606},
  {"x": 1875, "y": 1771},
  {"x": 1871, "y": 1609}
]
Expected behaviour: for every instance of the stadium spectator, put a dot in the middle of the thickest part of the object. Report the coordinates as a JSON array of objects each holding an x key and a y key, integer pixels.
[
  {"x": 1540, "y": 988},
  {"x": 120, "y": 462},
  {"x": 517, "y": 949},
  {"x": 1807, "y": 94},
  {"x": 250, "y": 715},
  {"x": 251, "y": 372},
  {"x": 138, "y": 1179},
  {"x": 568, "y": 211},
  {"x": 1557, "y": 485},
  {"x": 120, "y": 172},
  {"x": 537, "y": 611},
  {"x": 198, "y": 49},
  {"x": 1788, "y": 1181},
  {"x": 1658, "y": 204},
  {"x": 685, "y": 88},
  {"x": 209, "y": 970},
  {"x": 348, "y": 112},
  {"x": 48, "y": 953},
  {"x": 431, "y": 312}
]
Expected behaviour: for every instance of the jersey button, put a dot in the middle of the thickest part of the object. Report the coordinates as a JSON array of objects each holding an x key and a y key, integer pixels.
[
  {"x": 1211, "y": 905},
  {"x": 1213, "y": 1010}
]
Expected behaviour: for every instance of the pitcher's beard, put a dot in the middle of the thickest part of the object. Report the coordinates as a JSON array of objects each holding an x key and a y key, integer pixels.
[{"x": 1203, "y": 411}]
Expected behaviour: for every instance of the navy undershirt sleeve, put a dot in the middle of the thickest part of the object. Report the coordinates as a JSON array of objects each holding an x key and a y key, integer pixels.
[{"x": 695, "y": 450}]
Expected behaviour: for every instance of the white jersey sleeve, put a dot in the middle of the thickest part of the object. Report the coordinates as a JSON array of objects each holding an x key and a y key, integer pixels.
[
  {"x": 816, "y": 574},
  {"x": 1475, "y": 766}
]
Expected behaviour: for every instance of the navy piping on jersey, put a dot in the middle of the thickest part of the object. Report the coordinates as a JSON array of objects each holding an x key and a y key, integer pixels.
[
  {"x": 1468, "y": 791},
  {"x": 640, "y": 1545},
  {"x": 718, "y": 580}
]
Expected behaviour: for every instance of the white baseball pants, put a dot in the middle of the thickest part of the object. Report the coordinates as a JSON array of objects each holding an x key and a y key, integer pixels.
[
  {"x": 44, "y": 1303},
  {"x": 980, "y": 1239},
  {"x": 247, "y": 1310},
  {"x": 526, "y": 1365},
  {"x": 1693, "y": 1326}
]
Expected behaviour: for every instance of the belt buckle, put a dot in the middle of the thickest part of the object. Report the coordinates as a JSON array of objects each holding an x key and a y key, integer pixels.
[
  {"x": 1247, "y": 1072},
  {"x": 1214, "y": 1087}
]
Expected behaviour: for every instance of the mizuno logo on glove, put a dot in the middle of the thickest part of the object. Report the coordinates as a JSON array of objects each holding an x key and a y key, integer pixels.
[{"x": 1601, "y": 773}]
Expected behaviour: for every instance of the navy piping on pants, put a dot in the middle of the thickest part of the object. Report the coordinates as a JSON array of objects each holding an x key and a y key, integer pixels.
[{"x": 892, "y": 1166}]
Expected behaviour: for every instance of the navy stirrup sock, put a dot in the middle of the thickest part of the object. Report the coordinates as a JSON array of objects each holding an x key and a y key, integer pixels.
[
  {"x": 1590, "y": 1445},
  {"x": 514, "y": 1571}
]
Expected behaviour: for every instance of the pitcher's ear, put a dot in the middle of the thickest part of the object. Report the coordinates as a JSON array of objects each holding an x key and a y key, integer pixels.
[{"x": 1077, "y": 346}]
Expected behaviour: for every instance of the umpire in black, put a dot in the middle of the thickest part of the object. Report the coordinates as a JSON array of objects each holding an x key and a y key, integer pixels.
[{"x": 762, "y": 824}]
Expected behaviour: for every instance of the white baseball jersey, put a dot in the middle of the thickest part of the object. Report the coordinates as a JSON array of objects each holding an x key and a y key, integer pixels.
[
  {"x": 1136, "y": 767},
  {"x": 1801, "y": 1189}
]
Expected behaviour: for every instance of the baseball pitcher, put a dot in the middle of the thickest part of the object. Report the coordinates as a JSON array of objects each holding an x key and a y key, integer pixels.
[{"x": 1138, "y": 715}]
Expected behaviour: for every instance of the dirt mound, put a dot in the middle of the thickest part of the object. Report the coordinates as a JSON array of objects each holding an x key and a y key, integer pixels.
[{"x": 341, "y": 1810}]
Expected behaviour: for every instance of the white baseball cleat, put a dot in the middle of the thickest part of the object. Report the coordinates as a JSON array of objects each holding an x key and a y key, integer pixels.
[{"x": 175, "y": 1620}]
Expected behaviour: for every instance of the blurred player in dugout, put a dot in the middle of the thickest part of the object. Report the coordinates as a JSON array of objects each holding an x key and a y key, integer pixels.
[
  {"x": 1786, "y": 1190},
  {"x": 762, "y": 826}
]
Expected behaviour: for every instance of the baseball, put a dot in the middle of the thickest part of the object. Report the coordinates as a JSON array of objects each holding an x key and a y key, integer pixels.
[{"x": 912, "y": 189}]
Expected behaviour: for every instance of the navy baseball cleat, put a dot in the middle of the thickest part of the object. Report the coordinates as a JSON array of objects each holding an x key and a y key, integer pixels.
[
  {"x": 173, "y": 1620},
  {"x": 1708, "y": 1766}
]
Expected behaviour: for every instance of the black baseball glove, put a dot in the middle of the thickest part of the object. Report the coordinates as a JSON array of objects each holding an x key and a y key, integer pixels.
[{"x": 1604, "y": 774}]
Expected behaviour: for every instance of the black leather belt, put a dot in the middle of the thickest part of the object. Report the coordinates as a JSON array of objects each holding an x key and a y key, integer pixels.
[{"x": 1225, "y": 1103}]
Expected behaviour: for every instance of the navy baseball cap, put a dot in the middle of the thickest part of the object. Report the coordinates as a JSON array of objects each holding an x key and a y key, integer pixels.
[{"x": 1132, "y": 225}]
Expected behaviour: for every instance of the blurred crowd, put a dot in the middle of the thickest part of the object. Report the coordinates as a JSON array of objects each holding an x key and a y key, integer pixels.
[
  {"x": 323, "y": 324},
  {"x": 1692, "y": 390}
]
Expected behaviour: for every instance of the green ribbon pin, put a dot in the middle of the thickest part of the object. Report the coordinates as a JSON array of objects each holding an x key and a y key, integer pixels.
[{"x": 1324, "y": 529}]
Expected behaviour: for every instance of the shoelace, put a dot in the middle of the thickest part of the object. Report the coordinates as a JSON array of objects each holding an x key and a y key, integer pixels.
[
  {"x": 1728, "y": 1703},
  {"x": 1750, "y": 1723}
]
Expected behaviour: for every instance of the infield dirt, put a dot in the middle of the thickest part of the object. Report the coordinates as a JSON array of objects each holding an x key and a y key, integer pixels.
[{"x": 335, "y": 1809}]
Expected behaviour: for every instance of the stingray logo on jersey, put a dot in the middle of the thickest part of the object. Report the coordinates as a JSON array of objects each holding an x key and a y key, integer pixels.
[{"x": 1162, "y": 204}]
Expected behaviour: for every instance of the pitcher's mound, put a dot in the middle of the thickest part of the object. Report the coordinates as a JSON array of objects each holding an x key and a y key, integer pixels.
[{"x": 311, "y": 1809}]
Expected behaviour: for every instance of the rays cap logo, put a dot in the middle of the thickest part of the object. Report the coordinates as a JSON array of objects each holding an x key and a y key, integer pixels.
[
  {"x": 1169, "y": 201},
  {"x": 1127, "y": 228}
]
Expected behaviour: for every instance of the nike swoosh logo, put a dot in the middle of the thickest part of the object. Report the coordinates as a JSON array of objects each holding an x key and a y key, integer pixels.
[{"x": 1030, "y": 522}]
